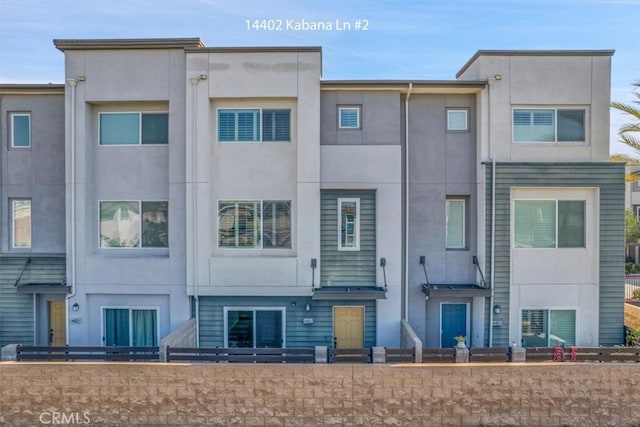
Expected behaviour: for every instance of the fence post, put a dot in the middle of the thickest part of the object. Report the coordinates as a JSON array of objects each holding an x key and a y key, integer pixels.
[
  {"x": 320, "y": 354},
  {"x": 517, "y": 354},
  {"x": 162, "y": 352},
  {"x": 378, "y": 355},
  {"x": 462, "y": 355},
  {"x": 9, "y": 353}
]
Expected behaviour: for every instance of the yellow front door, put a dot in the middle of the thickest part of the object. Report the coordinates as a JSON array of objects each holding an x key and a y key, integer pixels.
[
  {"x": 348, "y": 327},
  {"x": 57, "y": 323}
]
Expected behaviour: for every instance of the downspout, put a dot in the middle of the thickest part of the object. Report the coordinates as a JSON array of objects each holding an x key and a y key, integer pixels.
[
  {"x": 493, "y": 214},
  {"x": 194, "y": 204},
  {"x": 406, "y": 204},
  {"x": 72, "y": 83}
]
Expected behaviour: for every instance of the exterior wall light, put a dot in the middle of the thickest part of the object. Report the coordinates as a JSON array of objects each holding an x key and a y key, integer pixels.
[
  {"x": 75, "y": 307},
  {"x": 496, "y": 309},
  {"x": 307, "y": 307}
]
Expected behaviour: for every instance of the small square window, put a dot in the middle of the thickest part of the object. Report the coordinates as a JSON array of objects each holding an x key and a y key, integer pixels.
[
  {"x": 349, "y": 117},
  {"x": 457, "y": 120},
  {"x": 20, "y": 130}
]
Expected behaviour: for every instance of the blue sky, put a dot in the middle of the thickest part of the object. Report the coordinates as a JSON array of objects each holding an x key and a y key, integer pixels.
[{"x": 428, "y": 39}]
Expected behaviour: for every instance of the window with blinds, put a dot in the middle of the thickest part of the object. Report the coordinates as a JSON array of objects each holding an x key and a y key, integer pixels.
[
  {"x": 349, "y": 117},
  {"x": 549, "y": 125},
  {"x": 254, "y": 224},
  {"x": 455, "y": 223},
  {"x": 549, "y": 223},
  {"x": 547, "y": 328},
  {"x": 254, "y": 125}
]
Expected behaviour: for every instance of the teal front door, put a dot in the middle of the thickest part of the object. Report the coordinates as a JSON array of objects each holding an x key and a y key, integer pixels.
[{"x": 454, "y": 323}]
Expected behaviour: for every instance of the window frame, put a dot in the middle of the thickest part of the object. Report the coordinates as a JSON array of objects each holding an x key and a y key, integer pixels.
[
  {"x": 254, "y": 309},
  {"x": 548, "y": 320},
  {"x": 140, "y": 113},
  {"x": 356, "y": 237},
  {"x": 466, "y": 119},
  {"x": 12, "y": 213},
  {"x": 555, "y": 110},
  {"x": 261, "y": 204},
  {"x": 140, "y": 227},
  {"x": 260, "y": 131},
  {"x": 130, "y": 308},
  {"x": 12, "y": 130},
  {"x": 357, "y": 109},
  {"x": 557, "y": 225},
  {"x": 464, "y": 223}
]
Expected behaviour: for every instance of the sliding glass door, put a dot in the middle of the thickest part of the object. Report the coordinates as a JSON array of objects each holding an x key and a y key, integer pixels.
[{"x": 130, "y": 327}]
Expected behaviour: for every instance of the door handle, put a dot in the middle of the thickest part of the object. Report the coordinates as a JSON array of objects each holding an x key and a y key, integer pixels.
[
  {"x": 50, "y": 336},
  {"x": 335, "y": 342}
]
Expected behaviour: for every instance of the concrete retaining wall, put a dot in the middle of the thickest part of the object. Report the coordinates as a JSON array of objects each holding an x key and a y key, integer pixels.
[{"x": 314, "y": 395}]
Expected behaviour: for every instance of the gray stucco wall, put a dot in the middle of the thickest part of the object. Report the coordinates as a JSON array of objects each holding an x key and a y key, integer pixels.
[{"x": 609, "y": 179}]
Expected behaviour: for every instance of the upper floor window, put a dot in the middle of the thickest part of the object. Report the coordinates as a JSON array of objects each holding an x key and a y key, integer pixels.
[
  {"x": 134, "y": 128},
  {"x": 20, "y": 130},
  {"x": 457, "y": 120},
  {"x": 549, "y": 223},
  {"x": 254, "y": 224},
  {"x": 549, "y": 125},
  {"x": 21, "y": 223},
  {"x": 254, "y": 125},
  {"x": 455, "y": 228},
  {"x": 349, "y": 117},
  {"x": 134, "y": 224},
  {"x": 349, "y": 224}
]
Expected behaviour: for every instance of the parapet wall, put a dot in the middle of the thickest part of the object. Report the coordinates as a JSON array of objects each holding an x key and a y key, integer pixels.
[{"x": 544, "y": 394}]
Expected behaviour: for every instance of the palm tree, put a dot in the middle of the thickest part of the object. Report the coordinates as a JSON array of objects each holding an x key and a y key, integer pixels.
[{"x": 628, "y": 133}]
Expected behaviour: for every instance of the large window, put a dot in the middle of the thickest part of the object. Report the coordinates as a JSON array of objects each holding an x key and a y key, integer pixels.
[
  {"x": 134, "y": 128},
  {"x": 134, "y": 224},
  {"x": 349, "y": 117},
  {"x": 261, "y": 327},
  {"x": 455, "y": 233},
  {"x": 349, "y": 224},
  {"x": 254, "y": 224},
  {"x": 20, "y": 130},
  {"x": 546, "y": 328},
  {"x": 549, "y": 125},
  {"x": 21, "y": 223},
  {"x": 254, "y": 125},
  {"x": 549, "y": 223},
  {"x": 130, "y": 327}
]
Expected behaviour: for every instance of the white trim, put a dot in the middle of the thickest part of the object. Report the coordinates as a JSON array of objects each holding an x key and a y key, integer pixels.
[
  {"x": 103, "y": 331},
  {"x": 139, "y": 113},
  {"x": 356, "y": 236},
  {"x": 225, "y": 323},
  {"x": 12, "y": 213},
  {"x": 549, "y": 309},
  {"x": 464, "y": 223},
  {"x": 467, "y": 326},
  {"x": 466, "y": 119},
  {"x": 555, "y": 124},
  {"x": 357, "y": 109},
  {"x": 333, "y": 321},
  {"x": 100, "y": 201},
  {"x": 12, "y": 129}
]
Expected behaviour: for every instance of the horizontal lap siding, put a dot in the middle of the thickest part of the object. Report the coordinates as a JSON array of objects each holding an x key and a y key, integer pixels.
[
  {"x": 609, "y": 178},
  {"x": 16, "y": 309},
  {"x": 297, "y": 334},
  {"x": 348, "y": 267}
]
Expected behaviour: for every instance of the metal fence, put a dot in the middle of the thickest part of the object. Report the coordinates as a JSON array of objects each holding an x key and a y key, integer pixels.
[{"x": 632, "y": 285}]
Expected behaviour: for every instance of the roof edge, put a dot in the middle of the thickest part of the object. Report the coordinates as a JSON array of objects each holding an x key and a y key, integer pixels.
[
  {"x": 258, "y": 49},
  {"x": 31, "y": 88},
  {"x": 552, "y": 52},
  {"x": 100, "y": 44}
]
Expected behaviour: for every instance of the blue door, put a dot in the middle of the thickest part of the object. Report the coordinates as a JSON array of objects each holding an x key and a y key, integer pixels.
[{"x": 454, "y": 323}]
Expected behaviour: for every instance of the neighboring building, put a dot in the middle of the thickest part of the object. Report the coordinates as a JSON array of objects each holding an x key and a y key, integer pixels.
[{"x": 235, "y": 186}]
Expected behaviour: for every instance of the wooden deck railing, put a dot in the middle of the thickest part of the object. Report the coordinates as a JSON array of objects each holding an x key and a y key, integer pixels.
[
  {"x": 241, "y": 355},
  {"x": 87, "y": 353}
]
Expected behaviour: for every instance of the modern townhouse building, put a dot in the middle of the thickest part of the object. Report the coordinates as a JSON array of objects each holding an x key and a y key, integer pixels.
[{"x": 235, "y": 186}]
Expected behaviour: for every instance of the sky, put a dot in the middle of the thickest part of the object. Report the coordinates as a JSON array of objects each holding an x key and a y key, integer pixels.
[{"x": 374, "y": 39}]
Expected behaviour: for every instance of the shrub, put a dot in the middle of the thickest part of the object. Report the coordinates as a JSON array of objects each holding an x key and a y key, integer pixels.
[
  {"x": 636, "y": 294},
  {"x": 633, "y": 337}
]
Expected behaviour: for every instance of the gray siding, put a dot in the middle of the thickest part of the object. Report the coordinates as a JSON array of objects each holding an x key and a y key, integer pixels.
[
  {"x": 16, "y": 309},
  {"x": 297, "y": 334},
  {"x": 348, "y": 267},
  {"x": 609, "y": 178}
]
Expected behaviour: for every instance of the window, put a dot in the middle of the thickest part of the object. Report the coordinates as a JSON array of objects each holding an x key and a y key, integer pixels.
[
  {"x": 244, "y": 125},
  {"x": 134, "y": 224},
  {"x": 349, "y": 224},
  {"x": 20, "y": 130},
  {"x": 455, "y": 233},
  {"x": 549, "y": 223},
  {"x": 254, "y": 224},
  {"x": 547, "y": 328},
  {"x": 457, "y": 120},
  {"x": 549, "y": 125},
  {"x": 134, "y": 128},
  {"x": 21, "y": 220},
  {"x": 349, "y": 117},
  {"x": 254, "y": 327},
  {"x": 130, "y": 327}
]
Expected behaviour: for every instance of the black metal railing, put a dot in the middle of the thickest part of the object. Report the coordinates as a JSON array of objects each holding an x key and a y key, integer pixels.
[
  {"x": 241, "y": 355},
  {"x": 87, "y": 353}
]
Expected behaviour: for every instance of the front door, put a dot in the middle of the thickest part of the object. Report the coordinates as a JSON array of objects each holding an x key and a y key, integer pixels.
[
  {"x": 57, "y": 323},
  {"x": 454, "y": 323},
  {"x": 348, "y": 327}
]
